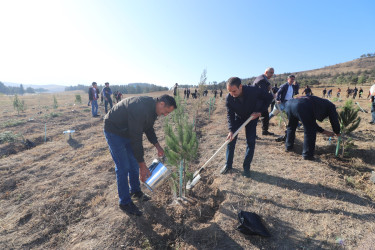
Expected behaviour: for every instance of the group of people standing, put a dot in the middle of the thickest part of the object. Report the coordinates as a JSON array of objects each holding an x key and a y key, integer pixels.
[
  {"x": 254, "y": 100},
  {"x": 105, "y": 94},
  {"x": 128, "y": 120}
]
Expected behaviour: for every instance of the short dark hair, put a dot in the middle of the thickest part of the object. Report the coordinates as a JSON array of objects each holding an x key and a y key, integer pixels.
[
  {"x": 93, "y": 83},
  {"x": 168, "y": 100},
  {"x": 106, "y": 83},
  {"x": 234, "y": 81},
  {"x": 290, "y": 76}
]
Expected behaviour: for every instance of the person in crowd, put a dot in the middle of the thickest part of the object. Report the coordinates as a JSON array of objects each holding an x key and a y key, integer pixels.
[
  {"x": 93, "y": 98},
  {"x": 187, "y": 93},
  {"x": 263, "y": 83},
  {"x": 215, "y": 93},
  {"x": 308, "y": 109},
  {"x": 324, "y": 93},
  {"x": 242, "y": 102},
  {"x": 107, "y": 92},
  {"x": 284, "y": 94},
  {"x": 274, "y": 92},
  {"x": 307, "y": 90},
  {"x": 221, "y": 93},
  {"x": 338, "y": 92},
  {"x": 348, "y": 92},
  {"x": 355, "y": 91},
  {"x": 124, "y": 126},
  {"x": 360, "y": 93},
  {"x": 329, "y": 93},
  {"x": 175, "y": 88},
  {"x": 372, "y": 109}
]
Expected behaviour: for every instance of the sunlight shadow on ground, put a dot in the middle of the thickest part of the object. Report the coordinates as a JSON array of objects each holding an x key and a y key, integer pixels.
[{"x": 311, "y": 189}]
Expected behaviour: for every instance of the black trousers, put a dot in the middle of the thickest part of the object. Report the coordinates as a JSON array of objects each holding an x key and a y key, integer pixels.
[
  {"x": 301, "y": 111},
  {"x": 265, "y": 120}
]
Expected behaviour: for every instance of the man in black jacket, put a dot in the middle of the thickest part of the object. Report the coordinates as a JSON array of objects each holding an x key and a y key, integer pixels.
[
  {"x": 308, "y": 109},
  {"x": 124, "y": 126},
  {"x": 263, "y": 83},
  {"x": 242, "y": 102}
]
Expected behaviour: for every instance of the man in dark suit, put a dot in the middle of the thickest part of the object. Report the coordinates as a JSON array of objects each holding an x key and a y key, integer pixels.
[
  {"x": 263, "y": 83},
  {"x": 285, "y": 93},
  {"x": 242, "y": 102},
  {"x": 308, "y": 109}
]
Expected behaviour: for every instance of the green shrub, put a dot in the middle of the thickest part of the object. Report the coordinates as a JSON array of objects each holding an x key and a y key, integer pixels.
[
  {"x": 8, "y": 136},
  {"x": 55, "y": 104},
  {"x": 349, "y": 121},
  {"x": 18, "y": 104},
  {"x": 12, "y": 123},
  {"x": 52, "y": 115},
  {"x": 78, "y": 99}
]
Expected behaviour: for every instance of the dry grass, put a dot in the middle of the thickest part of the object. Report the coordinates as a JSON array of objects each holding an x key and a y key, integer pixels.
[{"x": 62, "y": 193}]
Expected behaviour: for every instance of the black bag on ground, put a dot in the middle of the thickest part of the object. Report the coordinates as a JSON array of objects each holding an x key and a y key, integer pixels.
[{"x": 251, "y": 224}]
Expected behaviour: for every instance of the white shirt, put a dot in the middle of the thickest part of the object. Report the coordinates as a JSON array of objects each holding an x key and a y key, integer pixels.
[{"x": 289, "y": 93}]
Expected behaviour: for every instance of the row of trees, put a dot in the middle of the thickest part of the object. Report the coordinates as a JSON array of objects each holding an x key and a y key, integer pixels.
[
  {"x": 368, "y": 55},
  {"x": 132, "y": 88},
  {"x": 18, "y": 90}
]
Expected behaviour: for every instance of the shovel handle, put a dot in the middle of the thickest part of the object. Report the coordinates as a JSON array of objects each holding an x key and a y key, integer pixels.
[
  {"x": 338, "y": 145},
  {"x": 224, "y": 144}
]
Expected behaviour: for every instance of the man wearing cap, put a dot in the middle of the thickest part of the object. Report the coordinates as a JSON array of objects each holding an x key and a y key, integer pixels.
[
  {"x": 93, "y": 98},
  {"x": 308, "y": 109},
  {"x": 124, "y": 126},
  {"x": 242, "y": 102},
  {"x": 263, "y": 83}
]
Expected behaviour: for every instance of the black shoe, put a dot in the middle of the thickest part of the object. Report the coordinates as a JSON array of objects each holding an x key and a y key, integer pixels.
[
  {"x": 309, "y": 158},
  {"x": 289, "y": 150},
  {"x": 280, "y": 139},
  {"x": 246, "y": 173},
  {"x": 257, "y": 138},
  {"x": 131, "y": 209},
  {"x": 225, "y": 170},
  {"x": 267, "y": 133},
  {"x": 140, "y": 196},
  {"x": 371, "y": 122}
]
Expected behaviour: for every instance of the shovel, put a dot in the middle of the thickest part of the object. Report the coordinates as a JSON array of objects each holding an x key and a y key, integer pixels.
[
  {"x": 338, "y": 146},
  {"x": 364, "y": 111},
  {"x": 196, "y": 176}
]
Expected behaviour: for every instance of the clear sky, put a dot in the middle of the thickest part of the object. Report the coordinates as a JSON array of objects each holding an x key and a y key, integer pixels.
[{"x": 72, "y": 42}]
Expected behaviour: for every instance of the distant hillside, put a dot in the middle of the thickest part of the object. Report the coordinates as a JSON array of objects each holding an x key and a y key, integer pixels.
[
  {"x": 359, "y": 71},
  {"x": 44, "y": 88},
  {"x": 357, "y": 66}
]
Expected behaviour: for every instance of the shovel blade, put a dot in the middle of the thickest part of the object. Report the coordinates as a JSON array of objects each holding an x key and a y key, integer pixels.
[{"x": 191, "y": 184}]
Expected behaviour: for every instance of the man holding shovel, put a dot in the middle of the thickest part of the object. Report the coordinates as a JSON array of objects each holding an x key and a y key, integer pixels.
[
  {"x": 124, "y": 126},
  {"x": 242, "y": 102}
]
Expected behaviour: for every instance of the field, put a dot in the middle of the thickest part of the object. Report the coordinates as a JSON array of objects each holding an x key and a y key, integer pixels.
[{"x": 59, "y": 192}]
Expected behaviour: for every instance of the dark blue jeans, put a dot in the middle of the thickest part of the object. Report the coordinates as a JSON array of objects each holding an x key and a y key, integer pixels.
[
  {"x": 126, "y": 165},
  {"x": 106, "y": 104},
  {"x": 250, "y": 130},
  {"x": 94, "y": 107},
  {"x": 373, "y": 111}
]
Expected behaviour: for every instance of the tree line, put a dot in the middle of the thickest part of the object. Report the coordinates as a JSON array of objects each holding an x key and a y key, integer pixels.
[
  {"x": 8, "y": 90},
  {"x": 131, "y": 88}
]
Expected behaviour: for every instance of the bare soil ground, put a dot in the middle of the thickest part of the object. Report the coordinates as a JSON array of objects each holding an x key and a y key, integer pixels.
[{"x": 62, "y": 194}]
